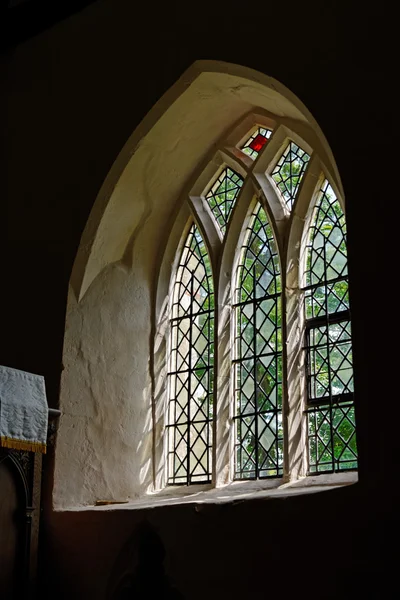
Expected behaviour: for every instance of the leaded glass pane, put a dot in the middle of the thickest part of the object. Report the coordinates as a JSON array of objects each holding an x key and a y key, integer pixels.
[
  {"x": 258, "y": 355},
  {"x": 332, "y": 438},
  {"x": 190, "y": 409},
  {"x": 222, "y": 196},
  {"x": 330, "y": 368},
  {"x": 331, "y": 423},
  {"x": 326, "y": 249},
  {"x": 289, "y": 172},
  {"x": 331, "y": 297},
  {"x": 256, "y": 142}
]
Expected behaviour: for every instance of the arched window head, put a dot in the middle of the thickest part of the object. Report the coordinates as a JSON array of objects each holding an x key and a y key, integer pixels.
[
  {"x": 222, "y": 196},
  {"x": 258, "y": 354},
  {"x": 327, "y": 253},
  {"x": 289, "y": 172},
  {"x": 190, "y": 404},
  {"x": 331, "y": 421}
]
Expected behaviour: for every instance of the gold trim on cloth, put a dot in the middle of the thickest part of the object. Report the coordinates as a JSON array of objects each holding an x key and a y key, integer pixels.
[{"x": 7, "y": 442}]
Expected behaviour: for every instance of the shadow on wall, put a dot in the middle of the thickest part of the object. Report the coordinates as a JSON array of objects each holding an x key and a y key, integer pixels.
[{"x": 138, "y": 572}]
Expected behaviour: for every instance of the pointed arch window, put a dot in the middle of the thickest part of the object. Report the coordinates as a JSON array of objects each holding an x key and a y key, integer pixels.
[
  {"x": 331, "y": 419},
  {"x": 272, "y": 384},
  {"x": 191, "y": 366},
  {"x": 258, "y": 354}
]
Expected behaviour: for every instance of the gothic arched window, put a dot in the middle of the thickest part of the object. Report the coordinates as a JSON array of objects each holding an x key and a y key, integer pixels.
[
  {"x": 258, "y": 354},
  {"x": 249, "y": 210},
  {"x": 331, "y": 420},
  {"x": 190, "y": 406},
  {"x": 208, "y": 319}
]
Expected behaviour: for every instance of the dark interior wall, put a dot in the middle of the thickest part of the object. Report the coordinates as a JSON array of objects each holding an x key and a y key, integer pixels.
[
  {"x": 11, "y": 507},
  {"x": 75, "y": 93},
  {"x": 309, "y": 546}
]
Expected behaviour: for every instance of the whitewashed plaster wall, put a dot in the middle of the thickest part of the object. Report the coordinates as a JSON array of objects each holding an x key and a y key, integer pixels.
[{"x": 104, "y": 444}]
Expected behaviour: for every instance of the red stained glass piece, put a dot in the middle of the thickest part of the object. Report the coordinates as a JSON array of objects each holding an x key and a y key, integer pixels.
[{"x": 258, "y": 142}]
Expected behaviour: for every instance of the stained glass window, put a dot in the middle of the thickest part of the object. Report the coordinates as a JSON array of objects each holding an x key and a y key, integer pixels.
[
  {"x": 222, "y": 196},
  {"x": 330, "y": 412},
  {"x": 258, "y": 355},
  {"x": 190, "y": 407},
  {"x": 289, "y": 172},
  {"x": 256, "y": 142},
  {"x": 251, "y": 339}
]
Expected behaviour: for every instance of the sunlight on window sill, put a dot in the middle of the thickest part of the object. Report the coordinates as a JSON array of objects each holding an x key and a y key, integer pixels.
[{"x": 237, "y": 491}]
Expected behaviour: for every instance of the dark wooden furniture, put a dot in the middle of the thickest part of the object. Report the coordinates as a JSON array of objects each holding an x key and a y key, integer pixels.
[
  {"x": 20, "y": 487},
  {"x": 20, "y": 478}
]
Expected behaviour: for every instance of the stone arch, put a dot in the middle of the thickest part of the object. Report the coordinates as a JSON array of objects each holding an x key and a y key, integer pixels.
[
  {"x": 204, "y": 80},
  {"x": 105, "y": 445}
]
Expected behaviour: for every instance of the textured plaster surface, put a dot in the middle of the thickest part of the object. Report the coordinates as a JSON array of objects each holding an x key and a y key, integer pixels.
[
  {"x": 161, "y": 162},
  {"x": 104, "y": 441}
]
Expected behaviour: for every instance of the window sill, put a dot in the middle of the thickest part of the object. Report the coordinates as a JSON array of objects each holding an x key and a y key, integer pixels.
[{"x": 237, "y": 491}]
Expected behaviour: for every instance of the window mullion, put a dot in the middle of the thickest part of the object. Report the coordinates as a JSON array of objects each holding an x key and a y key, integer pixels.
[
  {"x": 189, "y": 382},
  {"x": 255, "y": 373},
  {"x": 328, "y": 352}
]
